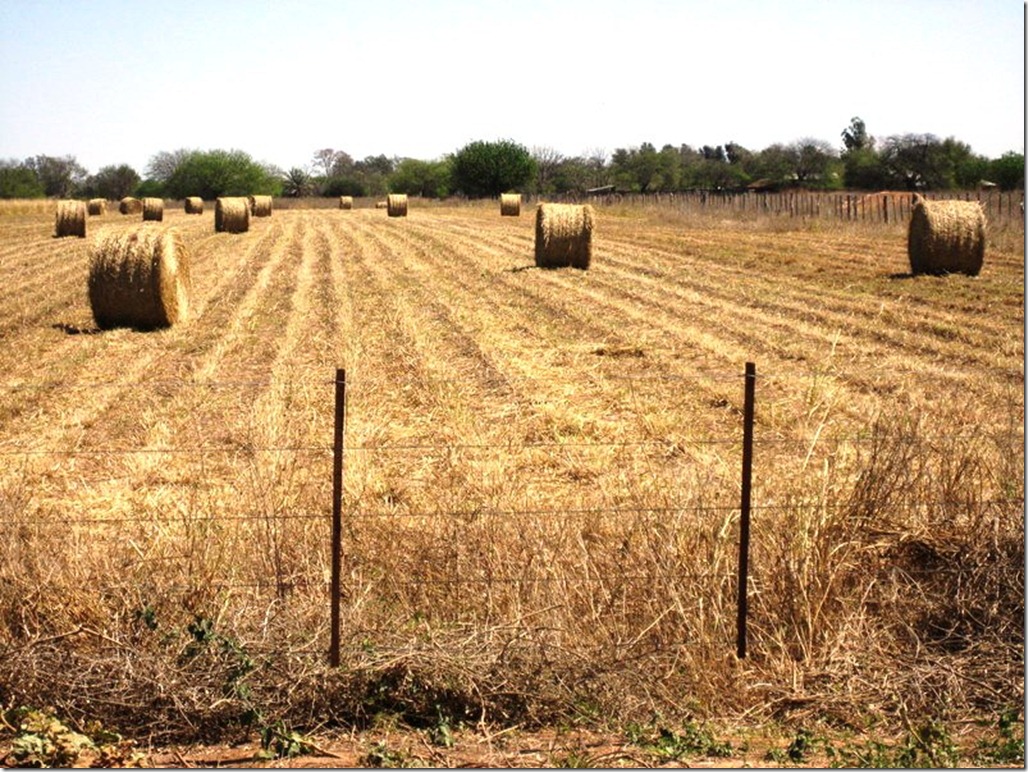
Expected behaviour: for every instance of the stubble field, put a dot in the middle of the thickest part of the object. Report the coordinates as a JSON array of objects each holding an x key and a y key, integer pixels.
[{"x": 542, "y": 478}]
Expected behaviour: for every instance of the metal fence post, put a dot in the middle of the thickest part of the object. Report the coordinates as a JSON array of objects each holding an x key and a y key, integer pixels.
[{"x": 744, "y": 521}]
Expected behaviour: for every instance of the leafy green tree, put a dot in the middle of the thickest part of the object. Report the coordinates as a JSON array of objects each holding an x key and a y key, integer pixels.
[
  {"x": 221, "y": 173},
  {"x": 59, "y": 176},
  {"x": 855, "y": 136},
  {"x": 1007, "y": 171},
  {"x": 482, "y": 169},
  {"x": 112, "y": 182},
  {"x": 922, "y": 161},
  {"x": 429, "y": 179},
  {"x": 344, "y": 186},
  {"x": 19, "y": 181}
]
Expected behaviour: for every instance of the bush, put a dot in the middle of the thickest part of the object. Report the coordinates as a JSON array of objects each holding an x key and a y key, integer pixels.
[{"x": 483, "y": 169}]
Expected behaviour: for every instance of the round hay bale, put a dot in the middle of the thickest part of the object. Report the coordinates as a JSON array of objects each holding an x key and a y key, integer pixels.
[
  {"x": 396, "y": 204},
  {"x": 563, "y": 235},
  {"x": 193, "y": 205},
  {"x": 381, "y": 204},
  {"x": 71, "y": 219},
  {"x": 129, "y": 205},
  {"x": 946, "y": 237},
  {"x": 346, "y": 202},
  {"x": 153, "y": 209},
  {"x": 260, "y": 206},
  {"x": 510, "y": 205},
  {"x": 231, "y": 215},
  {"x": 139, "y": 279},
  {"x": 96, "y": 206}
]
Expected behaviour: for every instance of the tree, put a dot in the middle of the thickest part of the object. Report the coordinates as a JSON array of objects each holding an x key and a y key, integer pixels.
[
  {"x": 19, "y": 181},
  {"x": 490, "y": 168},
  {"x": 163, "y": 164},
  {"x": 429, "y": 179},
  {"x": 58, "y": 176},
  {"x": 218, "y": 173},
  {"x": 919, "y": 162},
  {"x": 297, "y": 182},
  {"x": 112, "y": 182},
  {"x": 855, "y": 136},
  {"x": 1007, "y": 171},
  {"x": 547, "y": 162}
]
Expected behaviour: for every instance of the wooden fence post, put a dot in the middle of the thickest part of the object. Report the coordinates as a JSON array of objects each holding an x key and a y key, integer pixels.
[
  {"x": 337, "y": 513},
  {"x": 744, "y": 520}
]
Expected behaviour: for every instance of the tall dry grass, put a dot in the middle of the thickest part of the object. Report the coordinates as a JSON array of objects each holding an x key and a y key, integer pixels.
[{"x": 540, "y": 521}]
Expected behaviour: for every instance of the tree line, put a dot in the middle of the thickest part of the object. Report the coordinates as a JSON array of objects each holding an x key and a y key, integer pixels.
[{"x": 484, "y": 168}]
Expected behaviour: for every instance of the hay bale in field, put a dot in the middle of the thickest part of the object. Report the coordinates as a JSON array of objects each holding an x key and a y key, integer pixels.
[
  {"x": 260, "y": 206},
  {"x": 510, "y": 205},
  {"x": 129, "y": 205},
  {"x": 346, "y": 202},
  {"x": 193, "y": 205},
  {"x": 231, "y": 215},
  {"x": 563, "y": 235},
  {"x": 381, "y": 204},
  {"x": 139, "y": 279},
  {"x": 946, "y": 237},
  {"x": 396, "y": 204},
  {"x": 71, "y": 219},
  {"x": 153, "y": 209},
  {"x": 96, "y": 207}
]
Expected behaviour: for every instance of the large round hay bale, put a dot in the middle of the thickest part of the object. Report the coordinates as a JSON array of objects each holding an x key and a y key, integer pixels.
[
  {"x": 510, "y": 205},
  {"x": 96, "y": 207},
  {"x": 153, "y": 209},
  {"x": 71, "y": 219},
  {"x": 139, "y": 279},
  {"x": 946, "y": 237},
  {"x": 129, "y": 205},
  {"x": 260, "y": 206},
  {"x": 231, "y": 215},
  {"x": 396, "y": 204},
  {"x": 346, "y": 202},
  {"x": 563, "y": 235},
  {"x": 193, "y": 205},
  {"x": 381, "y": 204}
]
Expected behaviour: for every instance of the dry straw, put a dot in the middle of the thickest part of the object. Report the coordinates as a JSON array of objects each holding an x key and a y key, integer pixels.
[
  {"x": 396, "y": 204},
  {"x": 260, "y": 206},
  {"x": 346, "y": 202},
  {"x": 153, "y": 209},
  {"x": 563, "y": 235},
  {"x": 96, "y": 207},
  {"x": 510, "y": 205},
  {"x": 139, "y": 279},
  {"x": 231, "y": 215},
  {"x": 194, "y": 205},
  {"x": 946, "y": 237},
  {"x": 129, "y": 205},
  {"x": 71, "y": 219}
]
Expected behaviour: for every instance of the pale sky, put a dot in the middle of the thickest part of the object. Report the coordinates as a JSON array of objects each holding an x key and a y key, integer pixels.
[{"x": 114, "y": 81}]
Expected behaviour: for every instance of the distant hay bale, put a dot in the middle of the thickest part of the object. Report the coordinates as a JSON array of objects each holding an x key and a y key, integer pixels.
[
  {"x": 510, "y": 205},
  {"x": 139, "y": 279},
  {"x": 71, "y": 219},
  {"x": 153, "y": 209},
  {"x": 96, "y": 206},
  {"x": 563, "y": 235},
  {"x": 346, "y": 202},
  {"x": 260, "y": 206},
  {"x": 396, "y": 204},
  {"x": 194, "y": 205},
  {"x": 231, "y": 215},
  {"x": 129, "y": 205},
  {"x": 946, "y": 237},
  {"x": 381, "y": 204}
]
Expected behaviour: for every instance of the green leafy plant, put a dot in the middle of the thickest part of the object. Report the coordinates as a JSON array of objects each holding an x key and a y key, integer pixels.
[
  {"x": 43, "y": 740},
  {"x": 692, "y": 740},
  {"x": 1009, "y": 747},
  {"x": 278, "y": 741}
]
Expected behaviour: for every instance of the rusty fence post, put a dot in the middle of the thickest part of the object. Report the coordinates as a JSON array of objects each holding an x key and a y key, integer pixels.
[
  {"x": 337, "y": 512},
  {"x": 744, "y": 520}
]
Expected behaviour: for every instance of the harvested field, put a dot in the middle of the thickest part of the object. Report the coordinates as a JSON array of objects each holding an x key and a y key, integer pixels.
[{"x": 541, "y": 509}]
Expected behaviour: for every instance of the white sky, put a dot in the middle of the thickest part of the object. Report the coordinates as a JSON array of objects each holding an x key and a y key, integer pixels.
[{"x": 114, "y": 81}]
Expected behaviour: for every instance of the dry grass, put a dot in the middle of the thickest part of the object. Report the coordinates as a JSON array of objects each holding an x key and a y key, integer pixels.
[
  {"x": 139, "y": 279},
  {"x": 541, "y": 480}
]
